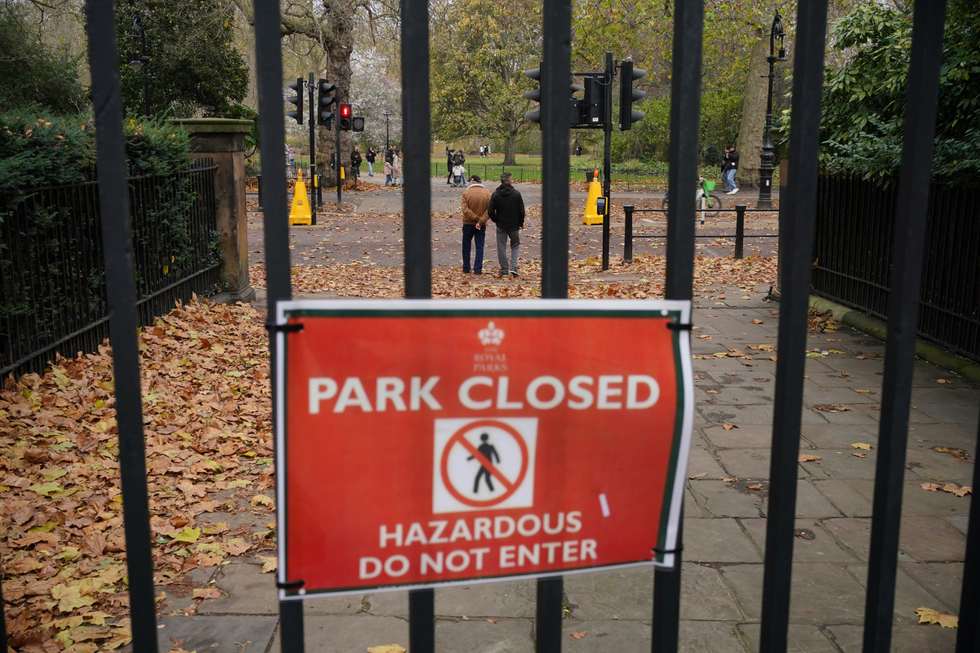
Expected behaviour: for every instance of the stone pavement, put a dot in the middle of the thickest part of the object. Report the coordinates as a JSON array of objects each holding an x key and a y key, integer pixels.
[{"x": 724, "y": 530}]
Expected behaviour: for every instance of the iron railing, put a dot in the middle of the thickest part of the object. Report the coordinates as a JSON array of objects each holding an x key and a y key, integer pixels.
[
  {"x": 854, "y": 258},
  {"x": 797, "y": 217},
  {"x": 52, "y": 294}
]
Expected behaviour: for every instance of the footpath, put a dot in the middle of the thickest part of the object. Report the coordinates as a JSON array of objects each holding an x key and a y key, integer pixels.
[{"x": 724, "y": 530}]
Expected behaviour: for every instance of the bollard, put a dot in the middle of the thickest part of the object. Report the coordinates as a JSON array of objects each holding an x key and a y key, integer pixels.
[
  {"x": 739, "y": 229},
  {"x": 259, "y": 178},
  {"x": 319, "y": 193},
  {"x": 628, "y": 241}
]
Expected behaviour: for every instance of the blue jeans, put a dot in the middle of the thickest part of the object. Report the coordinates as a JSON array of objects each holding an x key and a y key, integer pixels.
[
  {"x": 387, "y": 179},
  {"x": 470, "y": 232},
  {"x": 730, "y": 179},
  {"x": 370, "y": 169}
]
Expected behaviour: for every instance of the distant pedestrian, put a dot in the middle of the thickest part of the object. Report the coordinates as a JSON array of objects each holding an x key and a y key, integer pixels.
[
  {"x": 369, "y": 156},
  {"x": 473, "y": 206},
  {"x": 449, "y": 165},
  {"x": 387, "y": 172},
  {"x": 355, "y": 163},
  {"x": 396, "y": 168},
  {"x": 292, "y": 155},
  {"x": 506, "y": 209},
  {"x": 729, "y": 166}
]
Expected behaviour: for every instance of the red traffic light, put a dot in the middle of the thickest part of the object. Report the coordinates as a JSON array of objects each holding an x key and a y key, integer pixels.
[
  {"x": 345, "y": 117},
  {"x": 345, "y": 111}
]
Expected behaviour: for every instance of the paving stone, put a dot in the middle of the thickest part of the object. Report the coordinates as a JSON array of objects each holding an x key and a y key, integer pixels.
[
  {"x": 944, "y": 580},
  {"x": 481, "y": 636},
  {"x": 928, "y": 538},
  {"x": 964, "y": 395},
  {"x": 619, "y": 594},
  {"x": 746, "y": 463},
  {"x": 955, "y": 436},
  {"x": 703, "y": 461},
  {"x": 822, "y": 548},
  {"x": 387, "y": 603},
  {"x": 749, "y": 436},
  {"x": 825, "y": 436},
  {"x": 832, "y": 379},
  {"x": 605, "y": 636},
  {"x": 487, "y": 600},
  {"x": 950, "y": 413},
  {"x": 936, "y": 466},
  {"x": 717, "y": 540},
  {"x": 216, "y": 634},
  {"x": 742, "y": 395},
  {"x": 701, "y": 636},
  {"x": 851, "y": 496},
  {"x": 800, "y": 639},
  {"x": 916, "y": 501},
  {"x": 913, "y": 639},
  {"x": 328, "y": 605},
  {"x": 704, "y": 595},
  {"x": 841, "y": 463},
  {"x": 249, "y": 591},
  {"x": 330, "y": 634},
  {"x": 960, "y": 522},
  {"x": 821, "y": 593},
  {"x": 845, "y": 418},
  {"x": 809, "y": 503},
  {"x": 691, "y": 506},
  {"x": 909, "y": 595},
  {"x": 721, "y": 499},
  {"x": 837, "y": 395}
]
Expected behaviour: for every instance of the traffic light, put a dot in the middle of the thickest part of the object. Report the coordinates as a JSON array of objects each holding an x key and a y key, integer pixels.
[
  {"x": 345, "y": 117},
  {"x": 326, "y": 97},
  {"x": 575, "y": 116},
  {"x": 535, "y": 95},
  {"x": 297, "y": 100},
  {"x": 594, "y": 104},
  {"x": 628, "y": 95},
  {"x": 357, "y": 124}
]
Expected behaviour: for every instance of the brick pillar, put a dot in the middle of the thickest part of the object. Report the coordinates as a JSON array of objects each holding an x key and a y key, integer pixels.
[{"x": 223, "y": 140}]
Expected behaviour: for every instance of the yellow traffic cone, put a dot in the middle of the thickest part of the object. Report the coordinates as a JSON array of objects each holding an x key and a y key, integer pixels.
[
  {"x": 300, "y": 211},
  {"x": 592, "y": 216}
]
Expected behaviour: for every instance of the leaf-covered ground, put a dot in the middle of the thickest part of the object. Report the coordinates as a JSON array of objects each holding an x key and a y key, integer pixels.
[
  {"x": 208, "y": 446},
  {"x": 209, "y": 458},
  {"x": 642, "y": 279}
]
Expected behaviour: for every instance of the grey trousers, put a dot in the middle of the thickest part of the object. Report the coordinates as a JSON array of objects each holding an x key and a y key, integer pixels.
[{"x": 515, "y": 250}]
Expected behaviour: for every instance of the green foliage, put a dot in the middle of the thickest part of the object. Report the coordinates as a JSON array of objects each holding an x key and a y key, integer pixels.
[
  {"x": 155, "y": 147},
  {"x": 191, "y": 55},
  {"x": 32, "y": 73},
  {"x": 44, "y": 151},
  {"x": 864, "y": 100}
]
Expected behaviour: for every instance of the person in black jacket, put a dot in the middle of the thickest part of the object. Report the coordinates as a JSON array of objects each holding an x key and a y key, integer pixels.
[
  {"x": 369, "y": 156},
  {"x": 728, "y": 168},
  {"x": 507, "y": 212},
  {"x": 449, "y": 164},
  {"x": 355, "y": 163}
]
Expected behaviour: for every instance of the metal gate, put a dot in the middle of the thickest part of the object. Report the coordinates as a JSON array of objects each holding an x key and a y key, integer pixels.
[{"x": 797, "y": 218}]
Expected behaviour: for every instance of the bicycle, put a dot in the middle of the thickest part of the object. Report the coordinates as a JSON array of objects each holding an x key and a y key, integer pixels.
[{"x": 708, "y": 203}]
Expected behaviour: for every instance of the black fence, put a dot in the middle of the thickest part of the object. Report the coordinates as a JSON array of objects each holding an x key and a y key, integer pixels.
[
  {"x": 854, "y": 259},
  {"x": 52, "y": 275}
]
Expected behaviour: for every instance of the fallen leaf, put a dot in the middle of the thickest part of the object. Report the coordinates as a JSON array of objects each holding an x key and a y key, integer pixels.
[
  {"x": 930, "y": 616},
  {"x": 757, "y": 321},
  {"x": 806, "y": 458},
  {"x": 754, "y": 486},
  {"x": 579, "y": 635},
  {"x": 932, "y": 487},
  {"x": 269, "y": 564},
  {"x": 206, "y": 593},
  {"x": 729, "y": 480},
  {"x": 729, "y": 427},
  {"x": 959, "y": 454},
  {"x": 862, "y": 445},
  {"x": 701, "y": 475},
  {"x": 261, "y": 499},
  {"x": 859, "y": 455},
  {"x": 943, "y": 381},
  {"x": 711, "y": 392},
  {"x": 832, "y": 408},
  {"x": 491, "y": 621},
  {"x": 387, "y": 648}
]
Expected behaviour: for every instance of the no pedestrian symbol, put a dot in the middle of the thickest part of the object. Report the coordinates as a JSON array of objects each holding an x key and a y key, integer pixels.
[{"x": 483, "y": 464}]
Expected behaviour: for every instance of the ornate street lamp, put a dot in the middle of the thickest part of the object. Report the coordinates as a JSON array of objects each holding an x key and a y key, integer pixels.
[
  {"x": 140, "y": 62},
  {"x": 766, "y": 168},
  {"x": 387, "y": 113}
]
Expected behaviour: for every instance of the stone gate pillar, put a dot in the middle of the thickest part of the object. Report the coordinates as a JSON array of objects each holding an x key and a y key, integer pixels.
[{"x": 223, "y": 140}]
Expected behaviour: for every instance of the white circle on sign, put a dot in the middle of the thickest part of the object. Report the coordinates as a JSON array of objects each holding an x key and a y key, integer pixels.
[{"x": 483, "y": 464}]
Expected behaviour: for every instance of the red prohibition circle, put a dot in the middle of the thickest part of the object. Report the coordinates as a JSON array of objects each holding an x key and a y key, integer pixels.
[{"x": 457, "y": 437}]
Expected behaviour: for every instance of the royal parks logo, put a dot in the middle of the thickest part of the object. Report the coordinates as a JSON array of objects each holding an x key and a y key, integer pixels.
[{"x": 491, "y": 359}]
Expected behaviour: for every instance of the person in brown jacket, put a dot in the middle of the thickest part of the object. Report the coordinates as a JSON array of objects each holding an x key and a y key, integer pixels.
[{"x": 474, "y": 205}]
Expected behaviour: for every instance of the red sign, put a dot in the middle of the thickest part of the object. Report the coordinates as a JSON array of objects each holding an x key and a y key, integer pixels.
[{"x": 426, "y": 442}]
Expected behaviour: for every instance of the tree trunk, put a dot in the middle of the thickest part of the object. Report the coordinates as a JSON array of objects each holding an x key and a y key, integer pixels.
[
  {"x": 750, "y": 132},
  {"x": 510, "y": 149},
  {"x": 338, "y": 71}
]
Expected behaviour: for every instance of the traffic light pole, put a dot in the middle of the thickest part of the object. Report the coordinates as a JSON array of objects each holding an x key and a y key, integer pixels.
[
  {"x": 313, "y": 178},
  {"x": 340, "y": 165},
  {"x": 607, "y": 157}
]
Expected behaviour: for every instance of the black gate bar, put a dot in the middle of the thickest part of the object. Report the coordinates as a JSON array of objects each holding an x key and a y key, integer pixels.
[
  {"x": 121, "y": 291},
  {"x": 968, "y": 635},
  {"x": 685, "y": 103},
  {"x": 418, "y": 231},
  {"x": 272, "y": 132},
  {"x": 555, "y": 74},
  {"x": 910, "y": 227},
  {"x": 796, "y": 244}
]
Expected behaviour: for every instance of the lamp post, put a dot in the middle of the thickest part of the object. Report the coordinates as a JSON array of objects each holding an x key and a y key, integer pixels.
[
  {"x": 140, "y": 61},
  {"x": 387, "y": 136},
  {"x": 766, "y": 167}
]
